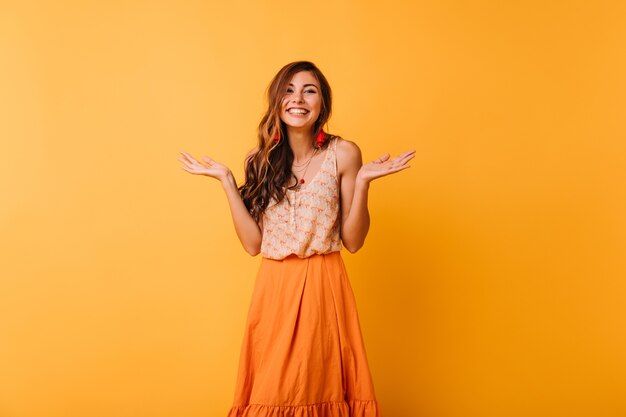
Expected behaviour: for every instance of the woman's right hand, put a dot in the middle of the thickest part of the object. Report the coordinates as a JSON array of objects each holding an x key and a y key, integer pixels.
[{"x": 212, "y": 168}]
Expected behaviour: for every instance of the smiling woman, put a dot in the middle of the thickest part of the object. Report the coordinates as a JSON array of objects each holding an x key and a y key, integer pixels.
[{"x": 303, "y": 200}]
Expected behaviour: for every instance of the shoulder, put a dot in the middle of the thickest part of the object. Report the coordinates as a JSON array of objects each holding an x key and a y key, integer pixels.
[
  {"x": 348, "y": 155},
  {"x": 347, "y": 147}
]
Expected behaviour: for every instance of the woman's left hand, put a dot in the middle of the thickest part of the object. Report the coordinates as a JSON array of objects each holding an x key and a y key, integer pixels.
[{"x": 384, "y": 166}]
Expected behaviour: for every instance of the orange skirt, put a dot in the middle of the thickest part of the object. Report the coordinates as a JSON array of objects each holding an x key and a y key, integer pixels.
[{"x": 303, "y": 353}]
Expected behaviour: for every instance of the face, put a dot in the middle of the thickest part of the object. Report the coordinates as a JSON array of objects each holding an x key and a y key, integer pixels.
[{"x": 302, "y": 101}]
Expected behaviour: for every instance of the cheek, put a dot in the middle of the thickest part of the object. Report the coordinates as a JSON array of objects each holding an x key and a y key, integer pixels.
[{"x": 316, "y": 105}]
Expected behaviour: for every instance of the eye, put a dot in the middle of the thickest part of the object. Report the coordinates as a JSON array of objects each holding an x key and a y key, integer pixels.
[
  {"x": 310, "y": 91},
  {"x": 289, "y": 90}
]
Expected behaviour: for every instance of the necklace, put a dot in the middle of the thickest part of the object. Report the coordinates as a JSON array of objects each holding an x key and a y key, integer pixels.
[
  {"x": 301, "y": 181},
  {"x": 304, "y": 163}
]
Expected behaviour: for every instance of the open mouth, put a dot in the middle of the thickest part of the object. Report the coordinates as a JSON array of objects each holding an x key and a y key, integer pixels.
[{"x": 297, "y": 111}]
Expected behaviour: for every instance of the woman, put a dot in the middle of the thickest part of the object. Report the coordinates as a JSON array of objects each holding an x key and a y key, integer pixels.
[{"x": 304, "y": 198}]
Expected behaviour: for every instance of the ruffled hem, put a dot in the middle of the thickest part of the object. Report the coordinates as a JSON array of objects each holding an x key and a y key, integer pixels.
[{"x": 351, "y": 408}]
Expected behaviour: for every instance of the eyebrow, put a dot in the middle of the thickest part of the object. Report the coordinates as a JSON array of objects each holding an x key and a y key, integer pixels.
[{"x": 306, "y": 85}]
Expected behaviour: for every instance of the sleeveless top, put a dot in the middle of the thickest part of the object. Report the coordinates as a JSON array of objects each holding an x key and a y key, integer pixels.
[{"x": 307, "y": 221}]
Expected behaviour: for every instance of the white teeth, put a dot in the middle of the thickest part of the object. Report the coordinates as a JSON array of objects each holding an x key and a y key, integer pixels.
[{"x": 297, "y": 111}]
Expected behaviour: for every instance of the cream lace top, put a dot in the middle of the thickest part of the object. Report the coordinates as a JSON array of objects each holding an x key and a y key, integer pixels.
[{"x": 307, "y": 221}]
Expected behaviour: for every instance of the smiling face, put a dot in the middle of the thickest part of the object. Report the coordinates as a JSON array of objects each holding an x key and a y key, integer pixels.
[{"x": 302, "y": 101}]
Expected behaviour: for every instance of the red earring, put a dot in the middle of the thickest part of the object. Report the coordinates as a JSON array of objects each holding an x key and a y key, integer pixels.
[
  {"x": 276, "y": 137},
  {"x": 320, "y": 138}
]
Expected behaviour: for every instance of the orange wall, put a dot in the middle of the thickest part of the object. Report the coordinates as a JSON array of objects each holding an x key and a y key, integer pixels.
[{"x": 491, "y": 283}]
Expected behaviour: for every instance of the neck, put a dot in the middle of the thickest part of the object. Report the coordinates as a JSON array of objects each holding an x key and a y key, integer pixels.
[{"x": 301, "y": 143}]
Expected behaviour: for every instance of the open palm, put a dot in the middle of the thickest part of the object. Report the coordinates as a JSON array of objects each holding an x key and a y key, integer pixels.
[
  {"x": 212, "y": 168},
  {"x": 385, "y": 166}
]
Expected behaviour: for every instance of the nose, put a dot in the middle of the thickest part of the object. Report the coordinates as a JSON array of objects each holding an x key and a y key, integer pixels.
[{"x": 297, "y": 98}]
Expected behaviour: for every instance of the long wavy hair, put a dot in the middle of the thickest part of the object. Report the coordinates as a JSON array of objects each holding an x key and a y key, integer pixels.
[{"x": 268, "y": 168}]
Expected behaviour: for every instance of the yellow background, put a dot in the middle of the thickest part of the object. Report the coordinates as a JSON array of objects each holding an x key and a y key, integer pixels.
[{"x": 492, "y": 279}]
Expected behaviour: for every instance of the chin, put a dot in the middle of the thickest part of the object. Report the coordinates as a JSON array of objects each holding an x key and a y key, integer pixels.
[
  {"x": 298, "y": 123},
  {"x": 305, "y": 127}
]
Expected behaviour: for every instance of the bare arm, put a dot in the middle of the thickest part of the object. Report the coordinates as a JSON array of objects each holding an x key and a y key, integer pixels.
[
  {"x": 248, "y": 231},
  {"x": 355, "y": 218},
  {"x": 354, "y": 182}
]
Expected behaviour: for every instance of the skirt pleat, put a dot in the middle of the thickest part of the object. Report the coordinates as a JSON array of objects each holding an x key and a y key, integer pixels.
[{"x": 303, "y": 353}]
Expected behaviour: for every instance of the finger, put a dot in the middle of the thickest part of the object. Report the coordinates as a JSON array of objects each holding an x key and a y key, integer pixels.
[
  {"x": 194, "y": 170},
  {"x": 405, "y": 154},
  {"x": 401, "y": 168},
  {"x": 383, "y": 158},
  {"x": 406, "y": 158},
  {"x": 394, "y": 167},
  {"x": 189, "y": 164},
  {"x": 189, "y": 157},
  {"x": 208, "y": 160},
  {"x": 185, "y": 155},
  {"x": 400, "y": 157}
]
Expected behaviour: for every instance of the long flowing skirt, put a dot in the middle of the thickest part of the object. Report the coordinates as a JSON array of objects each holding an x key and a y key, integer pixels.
[{"x": 303, "y": 353}]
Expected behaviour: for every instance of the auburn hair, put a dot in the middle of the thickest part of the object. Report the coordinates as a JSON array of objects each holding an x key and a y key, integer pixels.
[{"x": 268, "y": 168}]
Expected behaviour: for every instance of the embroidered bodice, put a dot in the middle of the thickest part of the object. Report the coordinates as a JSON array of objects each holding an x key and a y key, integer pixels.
[{"x": 306, "y": 221}]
